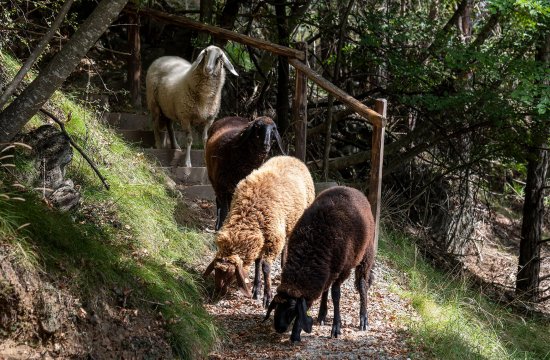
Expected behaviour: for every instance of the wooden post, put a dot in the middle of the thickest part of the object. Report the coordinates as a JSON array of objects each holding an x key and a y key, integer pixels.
[
  {"x": 299, "y": 110},
  {"x": 134, "y": 61},
  {"x": 377, "y": 158}
]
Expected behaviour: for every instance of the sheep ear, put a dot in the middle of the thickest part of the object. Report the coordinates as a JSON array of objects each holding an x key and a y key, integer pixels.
[
  {"x": 270, "y": 308},
  {"x": 228, "y": 65},
  {"x": 241, "y": 281},
  {"x": 198, "y": 60},
  {"x": 302, "y": 317},
  {"x": 209, "y": 268},
  {"x": 279, "y": 141},
  {"x": 278, "y": 299}
]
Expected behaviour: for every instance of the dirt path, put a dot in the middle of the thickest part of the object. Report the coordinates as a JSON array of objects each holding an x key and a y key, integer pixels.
[{"x": 250, "y": 338}]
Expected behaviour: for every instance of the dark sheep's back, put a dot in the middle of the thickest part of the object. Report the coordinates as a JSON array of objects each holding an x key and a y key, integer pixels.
[
  {"x": 220, "y": 160},
  {"x": 329, "y": 240}
]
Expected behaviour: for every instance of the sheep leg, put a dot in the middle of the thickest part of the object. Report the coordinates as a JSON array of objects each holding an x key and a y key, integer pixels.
[
  {"x": 222, "y": 205},
  {"x": 323, "y": 309},
  {"x": 205, "y": 131},
  {"x": 155, "y": 120},
  {"x": 363, "y": 281},
  {"x": 337, "y": 322},
  {"x": 172, "y": 135},
  {"x": 283, "y": 255},
  {"x": 257, "y": 281},
  {"x": 189, "y": 134},
  {"x": 266, "y": 268}
]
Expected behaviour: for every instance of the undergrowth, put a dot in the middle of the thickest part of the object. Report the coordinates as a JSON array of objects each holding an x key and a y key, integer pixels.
[
  {"x": 457, "y": 322},
  {"x": 122, "y": 238}
]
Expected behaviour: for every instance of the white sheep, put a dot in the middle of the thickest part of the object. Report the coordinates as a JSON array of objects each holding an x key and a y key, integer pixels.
[{"x": 187, "y": 93}]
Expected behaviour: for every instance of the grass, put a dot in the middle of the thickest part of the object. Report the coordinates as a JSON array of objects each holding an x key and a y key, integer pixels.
[
  {"x": 128, "y": 239},
  {"x": 457, "y": 322}
]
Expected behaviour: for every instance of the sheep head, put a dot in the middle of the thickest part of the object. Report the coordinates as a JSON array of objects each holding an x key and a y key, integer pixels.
[
  {"x": 225, "y": 269},
  {"x": 287, "y": 309},
  {"x": 212, "y": 59},
  {"x": 262, "y": 132}
]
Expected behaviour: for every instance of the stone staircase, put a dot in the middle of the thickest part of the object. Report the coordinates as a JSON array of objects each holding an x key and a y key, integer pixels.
[{"x": 192, "y": 182}]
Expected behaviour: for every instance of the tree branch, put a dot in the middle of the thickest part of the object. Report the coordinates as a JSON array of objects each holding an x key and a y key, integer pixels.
[
  {"x": 443, "y": 32},
  {"x": 35, "y": 54},
  {"x": 75, "y": 145}
]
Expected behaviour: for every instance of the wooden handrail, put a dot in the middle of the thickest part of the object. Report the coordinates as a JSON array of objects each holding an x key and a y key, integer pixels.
[
  {"x": 372, "y": 116},
  {"x": 217, "y": 32}
]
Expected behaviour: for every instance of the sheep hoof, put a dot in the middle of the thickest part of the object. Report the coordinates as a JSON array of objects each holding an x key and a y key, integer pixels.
[
  {"x": 295, "y": 339},
  {"x": 363, "y": 323},
  {"x": 335, "y": 330},
  {"x": 266, "y": 301}
]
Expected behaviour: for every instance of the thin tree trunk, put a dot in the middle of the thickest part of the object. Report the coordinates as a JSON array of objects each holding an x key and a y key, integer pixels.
[
  {"x": 227, "y": 18},
  {"x": 527, "y": 280},
  {"x": 442, "y": 34},
  {"x": 16, "y": 115},
  {"x": 335, "y": 80},
  {"x": 36, "y": 53},
  {"x": 282, "y": 106},
  {"x": 205, "y": 17}
]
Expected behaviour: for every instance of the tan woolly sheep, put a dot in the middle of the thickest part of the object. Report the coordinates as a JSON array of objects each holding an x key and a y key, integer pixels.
[{"x": 265, "y": 207}]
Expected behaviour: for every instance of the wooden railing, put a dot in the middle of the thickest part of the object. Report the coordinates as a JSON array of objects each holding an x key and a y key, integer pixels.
[{"x": 298, "y": 59}]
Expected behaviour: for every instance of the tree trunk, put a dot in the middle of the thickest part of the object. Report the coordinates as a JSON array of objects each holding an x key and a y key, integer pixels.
[
  {"x": 527, "y": 280},
  {"x": 282, "y": 106},
  {"x": 227, "y": 18},
  {"x": 134, "y": 61},
  {"x": 205, "y": 17},
  {"x": 18, "y": 113},
  {"x": 335, "y": 80}
]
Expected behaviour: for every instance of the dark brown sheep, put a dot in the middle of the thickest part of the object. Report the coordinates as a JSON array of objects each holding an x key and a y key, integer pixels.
[
  {"x": 234, "y": 148},
  {"x": 333, "y": 236}
]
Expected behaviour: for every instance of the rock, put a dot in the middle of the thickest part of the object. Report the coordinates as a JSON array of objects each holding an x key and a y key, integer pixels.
[{"x": 53, "y": 152}]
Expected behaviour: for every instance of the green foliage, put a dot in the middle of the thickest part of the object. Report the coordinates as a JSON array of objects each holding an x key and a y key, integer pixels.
[{"x": 457, "y": 322}]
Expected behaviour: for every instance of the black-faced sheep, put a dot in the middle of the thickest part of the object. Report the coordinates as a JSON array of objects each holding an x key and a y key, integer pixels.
[
  {"x": 334, "y": 235},
  {"x": 265, "y": 207},
  {"x": 234, "y": 148},
  {"x": 187, "y": 93}
]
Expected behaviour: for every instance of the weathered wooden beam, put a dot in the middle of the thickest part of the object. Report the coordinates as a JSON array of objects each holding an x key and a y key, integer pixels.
[
  {"x": 377, "y": 158},
  {"x": 217, "y": 31},
  {"x": 299, "y": 110},
  {"x": 372, "y": 116}
]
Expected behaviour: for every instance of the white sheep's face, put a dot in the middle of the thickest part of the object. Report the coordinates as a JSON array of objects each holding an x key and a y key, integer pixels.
[{"x": 212, "y": 59}]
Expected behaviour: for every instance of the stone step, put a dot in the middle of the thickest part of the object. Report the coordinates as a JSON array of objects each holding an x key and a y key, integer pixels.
[
  {"x": 128, "y": 121},
  {"x": 143, "y": 138},
  {"x": 146, "y": 138},
  {"x": 189, "y": 176},
  {"x": 170, "y": 157},
  {"x": 205, "y": 192}
]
